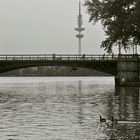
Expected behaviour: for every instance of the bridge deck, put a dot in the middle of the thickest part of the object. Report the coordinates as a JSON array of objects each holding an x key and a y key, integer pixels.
[{"x": 57, "y": 57}]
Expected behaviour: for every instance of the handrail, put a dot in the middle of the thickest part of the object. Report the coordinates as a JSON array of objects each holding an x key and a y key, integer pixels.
[
  {"x": 56, "y": 57},
  {"x": 57, "y": 54}
]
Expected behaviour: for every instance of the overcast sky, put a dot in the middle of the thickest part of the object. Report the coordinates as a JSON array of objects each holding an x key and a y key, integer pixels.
[{"x": 45, "y": 26}]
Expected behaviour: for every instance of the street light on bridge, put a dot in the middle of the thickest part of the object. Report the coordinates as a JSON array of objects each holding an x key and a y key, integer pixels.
[{"x": 79, "y": 28}]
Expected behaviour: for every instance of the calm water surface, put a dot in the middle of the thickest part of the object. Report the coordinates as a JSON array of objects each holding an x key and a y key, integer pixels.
[{"x": 67, "y": 109}]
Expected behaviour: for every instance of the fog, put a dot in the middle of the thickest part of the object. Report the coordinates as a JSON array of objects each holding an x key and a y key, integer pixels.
[{"x": 45, "y": 26}]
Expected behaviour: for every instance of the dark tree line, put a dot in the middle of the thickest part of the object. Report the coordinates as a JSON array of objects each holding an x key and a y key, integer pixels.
[{"x": 120, "y": 19}]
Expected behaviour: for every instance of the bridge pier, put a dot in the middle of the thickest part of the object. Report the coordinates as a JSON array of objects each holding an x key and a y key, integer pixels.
[{"x": 127, "y": 71}]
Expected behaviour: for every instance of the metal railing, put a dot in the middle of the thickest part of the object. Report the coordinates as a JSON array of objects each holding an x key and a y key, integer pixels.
[{"x": 57, "y": 57}]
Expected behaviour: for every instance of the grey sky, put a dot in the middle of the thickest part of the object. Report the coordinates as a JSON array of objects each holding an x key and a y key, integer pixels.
[{"x": 45, "y": 26}]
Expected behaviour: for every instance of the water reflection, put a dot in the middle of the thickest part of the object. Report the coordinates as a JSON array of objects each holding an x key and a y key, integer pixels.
[
  {"x": 80, "y": 103},
  {"x": 67, "y": 109},
  {"x": 129, "y": 102},
  {"x": 126, "y": 109}
]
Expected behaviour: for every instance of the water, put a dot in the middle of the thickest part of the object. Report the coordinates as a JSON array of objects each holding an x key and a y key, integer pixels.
[{"x": 67, "y": 109}]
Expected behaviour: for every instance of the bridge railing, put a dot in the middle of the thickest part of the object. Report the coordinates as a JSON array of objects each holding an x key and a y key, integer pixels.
[{"x": 57, "y": 57}]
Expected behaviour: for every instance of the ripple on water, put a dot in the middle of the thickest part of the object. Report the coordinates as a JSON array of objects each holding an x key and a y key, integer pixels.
[{"x": 61, "y": 109}]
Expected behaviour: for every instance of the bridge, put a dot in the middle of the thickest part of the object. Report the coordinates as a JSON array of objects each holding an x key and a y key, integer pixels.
[
  {"x": 104, "y": 63},
  {"x": 124, "y": 67}
]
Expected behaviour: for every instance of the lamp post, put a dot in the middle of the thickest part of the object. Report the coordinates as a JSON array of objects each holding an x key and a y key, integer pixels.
[
  {"x": 119, "y": 48},
  {"x": 135, "y": 49}
]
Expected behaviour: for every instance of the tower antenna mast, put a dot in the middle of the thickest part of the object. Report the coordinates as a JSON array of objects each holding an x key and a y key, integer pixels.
[{"x": 79, "y": 28}]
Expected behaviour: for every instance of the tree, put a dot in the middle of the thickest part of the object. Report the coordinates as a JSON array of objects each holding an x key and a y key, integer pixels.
[{"x": 120, "y": 19}]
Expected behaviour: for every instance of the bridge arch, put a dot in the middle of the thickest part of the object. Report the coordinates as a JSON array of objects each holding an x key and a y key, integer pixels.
[{"x": 102, "y": 66}]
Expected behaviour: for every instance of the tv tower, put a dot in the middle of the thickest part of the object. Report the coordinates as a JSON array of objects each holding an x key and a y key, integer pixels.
[{"x": 79, "y": 28}]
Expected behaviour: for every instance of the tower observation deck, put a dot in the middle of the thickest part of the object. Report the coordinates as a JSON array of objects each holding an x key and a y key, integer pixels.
[{"x": 79, "y": 28}]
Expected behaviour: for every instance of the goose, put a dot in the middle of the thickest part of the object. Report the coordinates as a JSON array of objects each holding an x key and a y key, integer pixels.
[
  {"x": 113, "y": 120},
  {"x": 102, "y": 119}
]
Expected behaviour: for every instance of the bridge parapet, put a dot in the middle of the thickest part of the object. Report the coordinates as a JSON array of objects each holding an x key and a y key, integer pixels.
[{"x": 58, "y": 57}]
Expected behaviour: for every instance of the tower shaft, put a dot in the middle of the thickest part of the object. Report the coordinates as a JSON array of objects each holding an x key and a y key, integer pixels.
[{"x": 79, "y": 46}]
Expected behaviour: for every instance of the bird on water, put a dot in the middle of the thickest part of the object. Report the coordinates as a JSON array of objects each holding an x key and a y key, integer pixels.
[
  {"x": 113, "y": 120},
  {"x": 102, "y": 119}
]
